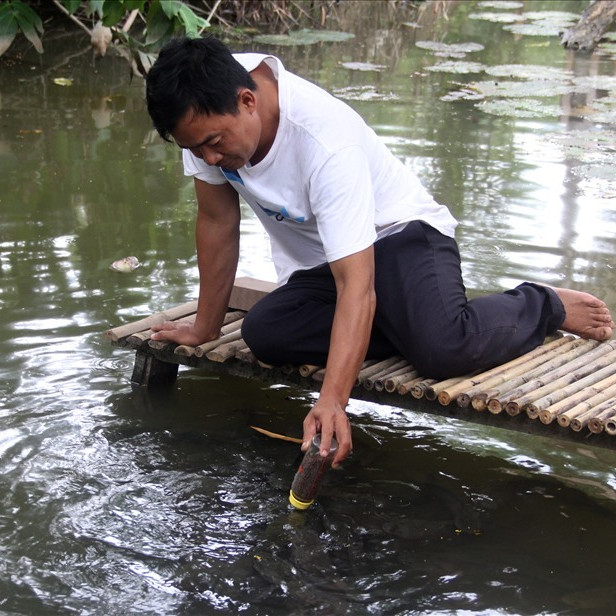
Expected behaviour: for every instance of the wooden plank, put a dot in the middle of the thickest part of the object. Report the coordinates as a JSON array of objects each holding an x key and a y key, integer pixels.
[{"x": 247, "y": 292}]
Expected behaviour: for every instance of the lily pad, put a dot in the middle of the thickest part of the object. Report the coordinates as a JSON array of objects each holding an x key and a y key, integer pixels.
[
  {"x": 552, "y": 16},
  {"x": 364, "y": 93},
  {"x": 500, "y": 4},
  {"x": 363, "y": 66},
  {"x": 537, "y": 88},
  {"x": 465, "y": 94},
  {"x": 458, "y": 67},
  {"x": 535, "y": 29},
  {"x": 520, "y": 108},
  {"x": 504, "y": 18},
  {"x": 529, "y": 72},
  {"x": 304, "y": 37},
  {"x": 457, "y": 50}
]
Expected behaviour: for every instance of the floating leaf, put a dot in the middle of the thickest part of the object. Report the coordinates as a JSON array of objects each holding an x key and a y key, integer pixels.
[
  {"x": 363, "y": 66},
  {"x": 457, "y": 67},
  {"x": 364, "y": 93},
  {"x": 507, "y": 18},
  {"x": 529, "y": 72},
  {"x": 500, "y": 4},
  {"x": 63, "y": 81},
  {"x": 522, "y": 89},
  {"x": 454, "y": 49},
  {"x": 304, "y": 37},
  {"x": 520, "y": 108}
]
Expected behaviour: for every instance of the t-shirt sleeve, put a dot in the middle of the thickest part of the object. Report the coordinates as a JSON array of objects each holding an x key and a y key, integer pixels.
[
  {"x": 342, "y": 200},
  {"x": 195, "y": 167}
]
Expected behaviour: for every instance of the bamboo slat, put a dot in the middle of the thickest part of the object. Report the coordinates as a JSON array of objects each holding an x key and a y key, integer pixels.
[
  {"x": 406, "y": 387},
  {"x": 497, "y": 402},
  {"x": 372, "y": 367},
  {"x": 496, "y": 375},
  {"x": 418, "y": 390},
  {"x": 566, "y": 386},
  {"x": 553, "y": 411},
  {"x": 307, "y": 370},
  {"x": 564, "y": 419},
  {"x": 370, "y": 381},
  {"x": 390, "y": 384},
  {"x": 602, "y": 413},
  {"x": 123, "y": 331},
  {"x": 595, "y": 359}
]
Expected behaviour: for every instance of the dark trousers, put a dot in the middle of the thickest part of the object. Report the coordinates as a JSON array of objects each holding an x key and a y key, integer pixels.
[{"x": 422, "y": 312}]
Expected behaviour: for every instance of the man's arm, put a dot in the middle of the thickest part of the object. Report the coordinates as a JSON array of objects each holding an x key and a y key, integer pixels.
[
  {"x": 355, "y": 307},
  {"x": 217, "y": 237}
]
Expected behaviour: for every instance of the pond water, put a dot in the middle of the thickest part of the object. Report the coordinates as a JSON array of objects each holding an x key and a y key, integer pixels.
[{"x": 114, "y": 501}]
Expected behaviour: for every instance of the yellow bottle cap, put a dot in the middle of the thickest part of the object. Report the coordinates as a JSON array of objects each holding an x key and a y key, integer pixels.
[{"x": 297, "y": 503}]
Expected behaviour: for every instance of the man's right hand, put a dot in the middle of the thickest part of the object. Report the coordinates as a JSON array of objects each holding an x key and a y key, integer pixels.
[{"x": 180, "y": 333}]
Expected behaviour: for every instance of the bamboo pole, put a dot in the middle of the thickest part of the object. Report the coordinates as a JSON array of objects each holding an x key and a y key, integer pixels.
[
  {"x": 498, "y": 398},
  {"x": 406, "y": 387},
  {"x": 246, "y": 355},
  {"x": 603, "y": 412},
  {"x": 205, "y": 348},
  {"x": 567, "y": 385},
  {"x": 403, "y": 371},
  {"x": 392, "y": 381},
  {"x": 372, "y": 367},
  {"x": 479, "y": 402},
  {"x": 495, "y": 375},
  {"x": 225, "y": 351},
  {"x": 117, "y": 333},
  {"x": 433, "y": 391},
  {"x": 601, "y": 356},
  {"x": 548, "y": 415},
  {"x": 307, "y": 370},
  {"x": 418, "y": 390},
  {"x": 564, "y": 419},
  {"x": 578, "y": 423},
  {"x": 610, "y": 425},
  {"x": 370, "y": 381},
  {"x": 232, "y": 327}
]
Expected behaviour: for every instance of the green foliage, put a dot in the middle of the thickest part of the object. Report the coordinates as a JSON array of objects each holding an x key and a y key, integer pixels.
[
  {"x": 163, "y": 18},
  {"x": 16, "y": 16}
]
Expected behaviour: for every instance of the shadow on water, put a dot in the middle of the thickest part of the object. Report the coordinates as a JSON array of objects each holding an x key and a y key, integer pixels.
[{"x": 122, "y": 501}]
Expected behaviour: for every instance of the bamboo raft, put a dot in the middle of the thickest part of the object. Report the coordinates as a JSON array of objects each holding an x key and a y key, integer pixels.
[{"x": 565, "y": 388}]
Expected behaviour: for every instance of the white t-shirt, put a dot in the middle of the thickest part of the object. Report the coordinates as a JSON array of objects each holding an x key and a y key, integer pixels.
[{"x": 328, "y": 187}]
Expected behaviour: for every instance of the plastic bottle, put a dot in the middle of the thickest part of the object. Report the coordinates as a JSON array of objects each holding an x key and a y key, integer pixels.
[{"x": 312, "y": 468}]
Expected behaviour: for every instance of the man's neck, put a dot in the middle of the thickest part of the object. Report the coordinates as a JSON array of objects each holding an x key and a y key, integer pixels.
[{"x": 268, "y": 109}]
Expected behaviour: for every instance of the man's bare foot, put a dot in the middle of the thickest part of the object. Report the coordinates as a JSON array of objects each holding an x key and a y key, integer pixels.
[{"x": 585, "y": 315}]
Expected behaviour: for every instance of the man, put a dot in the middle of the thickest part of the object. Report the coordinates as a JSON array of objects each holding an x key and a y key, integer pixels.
[{"x": 366, "y": 259}]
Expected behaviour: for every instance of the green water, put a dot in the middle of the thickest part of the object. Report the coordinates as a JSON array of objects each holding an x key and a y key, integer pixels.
[{"x": 114, "y": 501}]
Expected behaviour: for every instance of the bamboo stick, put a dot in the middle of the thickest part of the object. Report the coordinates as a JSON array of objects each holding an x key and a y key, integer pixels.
[
  {"x": 307, "y": 370},
  {"x": 498, "y": 398},
  {"x": 419, "y": 388},
  {"x": 392, "y": 381},
  {"x": 495, "y": 375},
  {"x": 433, "y": 391},
  {"x": 479, "y": 402},
  {"x": 403, "y": 371},
  {"x": 568, "y": 385},
  {"x": 245, "y": 354},
  {"x": 407, "y": 386},
  {"x": 319, "y": 375},
  {"x": 202, "y": 349},
  {"x": 117, "y": 333},
  {"x": 548, "y": 415},
  {"x": 610, "y": 425},
  {"x": 603, "y": 412},
  {"x": 564, "y": 419},
  {"x": 374, "y": 367},
  {"x": 225, "y": 351},
  {"x": 370, "y": 380},
  {"x": 601, "y": 356}
]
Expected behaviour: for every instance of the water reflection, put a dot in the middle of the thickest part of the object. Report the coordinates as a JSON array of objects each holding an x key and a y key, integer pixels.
[{"x": 118, "y": 501}]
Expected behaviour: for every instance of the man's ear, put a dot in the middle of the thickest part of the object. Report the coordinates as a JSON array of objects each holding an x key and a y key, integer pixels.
[{"x": 246, "y": 98}]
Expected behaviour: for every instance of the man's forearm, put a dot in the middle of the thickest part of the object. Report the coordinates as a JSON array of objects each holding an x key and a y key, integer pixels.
[{"x": 217, "y": 256}]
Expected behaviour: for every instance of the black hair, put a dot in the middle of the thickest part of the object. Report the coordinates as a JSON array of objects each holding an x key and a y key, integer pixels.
[{"x": 193, "y": 73}]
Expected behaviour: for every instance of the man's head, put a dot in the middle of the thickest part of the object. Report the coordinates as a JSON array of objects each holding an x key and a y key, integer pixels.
[{"x": 193, "y": 74}]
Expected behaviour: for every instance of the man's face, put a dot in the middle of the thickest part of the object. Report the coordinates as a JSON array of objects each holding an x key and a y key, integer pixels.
[{"x": 225, "y": 140}]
